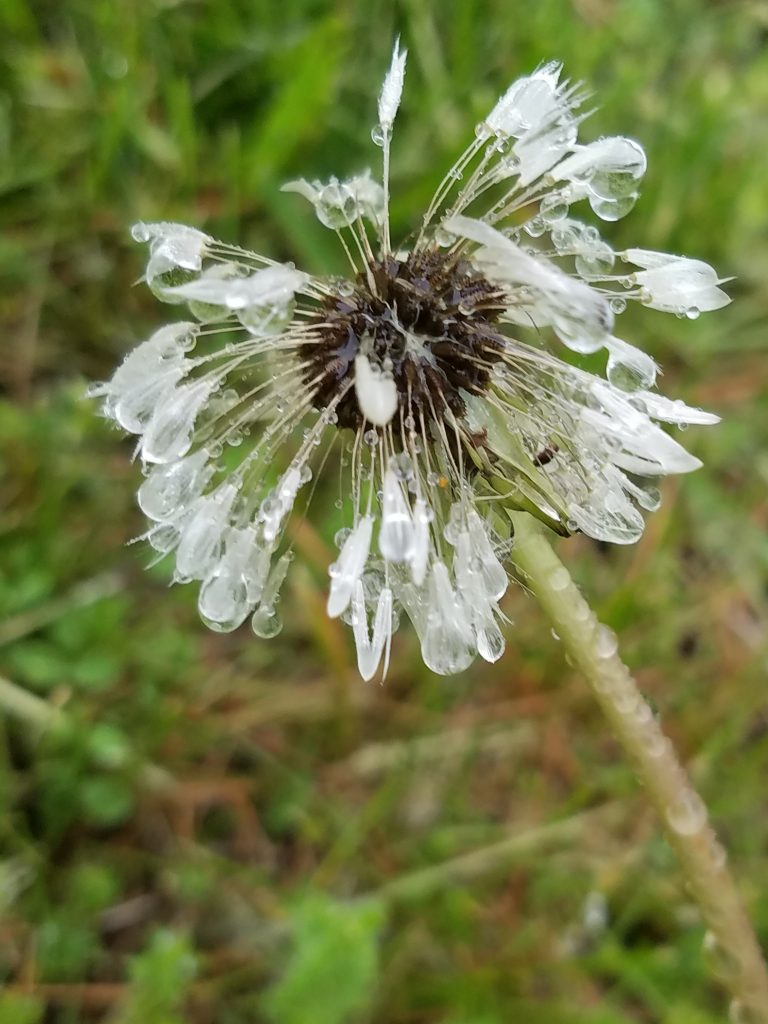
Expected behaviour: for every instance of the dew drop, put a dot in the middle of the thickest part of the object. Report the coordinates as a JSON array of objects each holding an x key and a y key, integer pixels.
[
  {"x": 595, "y": 261},
  {"x": 687, "y": 815},
  {"x": 341, "y": 536},
  {"x": 612, "y": 209},
  {"x": 378, "y": 135},
  {"x": 535, "y": 227},
  {"x": 606, "y": 642},
  {"x": 719, "y": 854},
  {"x": 553, "y": 209},
  {"x": 560, "y": 578},
  {"x": 266, "y": 623},
  {"x": 631, "y": 370}
]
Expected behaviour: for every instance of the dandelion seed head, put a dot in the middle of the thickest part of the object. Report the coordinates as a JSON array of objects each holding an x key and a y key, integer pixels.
[{"x": 431, "y": 375}]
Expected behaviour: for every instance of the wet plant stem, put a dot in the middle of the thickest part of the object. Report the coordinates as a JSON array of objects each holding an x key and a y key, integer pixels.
[{"x": 730, "y": 940}]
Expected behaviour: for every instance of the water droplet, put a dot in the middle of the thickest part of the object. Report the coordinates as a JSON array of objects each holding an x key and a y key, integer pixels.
[
  {"x": 612, "y": 209},
  {"x": 719, "y": 854},
  {"x": 687, "y": 815},
  {"x": 535, "y": 227},
  {"x": 631, "y": 370},
  {"x": 371, "y": 438},
  {"x": 266, "y": 623},
  {"x": 649, "y": 498},
  {"x": 168, "y": 279},
  {"x": 560, "y": 578},
  {"x": 378, "y": 135},
  {"x": 553, "y": 209},
  {"x": 336, "y": 206},
  {"x": 606, "y": 643},
  {"x": 657, "y": 744},
  {"x": 693, "y": 312},
  {"x": 595, "y": 260},
  {"x": 618, "y": 305}
]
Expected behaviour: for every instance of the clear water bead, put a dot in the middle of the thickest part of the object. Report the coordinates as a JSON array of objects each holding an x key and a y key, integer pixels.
[
  {"x": 687, "y": 814},
  {"x": 268, "y": 319},
  {"x": 553, "y": 208},
  {"x": 612, "y": 209},
  {"x": 266, "y": 623},
  {"x": 606, "y": 643},
  {"x": 618, "y": 174},
  {"x": 595, "y": 261},
  {"x": 535, "y": 227},
  {"x": 336, "y": 206},
  {"x": 629, "y": 369},
  {"x": 560, "y": 578}
]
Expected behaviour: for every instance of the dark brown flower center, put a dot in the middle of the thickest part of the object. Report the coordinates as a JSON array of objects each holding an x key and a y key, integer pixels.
[{"x": 430, "y": 323}]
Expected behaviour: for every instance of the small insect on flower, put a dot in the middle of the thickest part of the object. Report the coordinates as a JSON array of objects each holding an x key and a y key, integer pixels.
[{"x": 429, "y": 374}]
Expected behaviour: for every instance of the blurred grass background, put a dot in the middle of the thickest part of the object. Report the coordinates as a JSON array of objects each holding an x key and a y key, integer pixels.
[{"x": 201, "y": 828}]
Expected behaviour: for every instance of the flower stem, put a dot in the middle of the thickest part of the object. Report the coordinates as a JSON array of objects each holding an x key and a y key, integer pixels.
[{"x": 593, "y": 648}]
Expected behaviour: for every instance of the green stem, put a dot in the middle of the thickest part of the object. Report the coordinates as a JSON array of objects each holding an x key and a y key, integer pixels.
[{"x": 593, "y": 648}]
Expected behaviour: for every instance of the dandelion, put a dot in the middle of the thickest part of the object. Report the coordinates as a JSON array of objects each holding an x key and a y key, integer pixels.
[{"x": 430, "y": 374}]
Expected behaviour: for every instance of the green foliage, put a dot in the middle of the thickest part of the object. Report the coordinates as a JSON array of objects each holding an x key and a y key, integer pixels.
[
  {"x": 160, "y": 977},
  {"x": 20, "y": 1009},
  {"x": 332, "y": 971}
]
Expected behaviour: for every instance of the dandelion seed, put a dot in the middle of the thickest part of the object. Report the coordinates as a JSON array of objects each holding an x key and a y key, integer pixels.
[{"x": 434, "y": 366}]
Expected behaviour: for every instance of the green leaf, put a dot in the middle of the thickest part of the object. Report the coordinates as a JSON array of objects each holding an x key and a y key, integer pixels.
[
  {"x": 160, "y": 979},
  {"x": 332, "y": 971},
  {"x": 17, "y": 1009}
]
